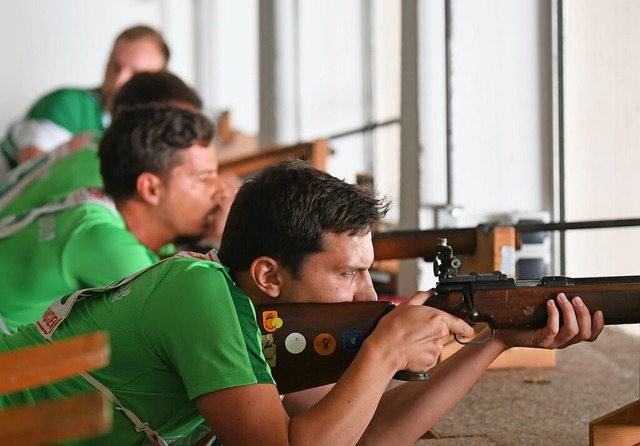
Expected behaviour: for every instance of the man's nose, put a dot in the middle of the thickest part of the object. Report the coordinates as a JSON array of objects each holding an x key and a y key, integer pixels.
[
  {"x": 365, "y": 292},
  {"x": 123, "y": 76},
  {"x": 221, "y": 189}
]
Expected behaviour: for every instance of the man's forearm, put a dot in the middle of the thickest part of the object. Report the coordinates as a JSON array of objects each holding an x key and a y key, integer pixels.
[
  {"x": 344, "y": 414},
  {"x": 410, "y": 409}
]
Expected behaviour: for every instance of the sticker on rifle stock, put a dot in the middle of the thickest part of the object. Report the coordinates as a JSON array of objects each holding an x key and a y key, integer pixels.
[
  {"x": 324, "y": 344},
  {"x": 352, "y": 340},
  {"x": 295, "y": 343},
  {"x": 269, "y": 349},
  {"x": 270, "y": 321}
]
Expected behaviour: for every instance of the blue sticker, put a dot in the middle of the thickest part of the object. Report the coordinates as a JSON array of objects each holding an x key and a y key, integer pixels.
[{"x": 352, "y": 340}]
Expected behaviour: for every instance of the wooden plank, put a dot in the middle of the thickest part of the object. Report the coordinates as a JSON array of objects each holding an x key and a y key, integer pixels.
[
  {"x": 54, "y": 421},
  {"x": 316, "y": 152},
  {"x": 53, "y": 361}
]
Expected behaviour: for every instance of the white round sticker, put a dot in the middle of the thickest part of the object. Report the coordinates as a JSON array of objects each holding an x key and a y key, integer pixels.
[{"x": 295, "y": 343}]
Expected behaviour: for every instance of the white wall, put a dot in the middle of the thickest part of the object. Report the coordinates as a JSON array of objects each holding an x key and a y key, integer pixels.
[
  {"x": 500, "y": 93},
  {"x": 500, "y": 112},
  {"x": 230, "y": 56},
  {"x": 602, "y": 133},
  {"x": 500, "y": 86}
]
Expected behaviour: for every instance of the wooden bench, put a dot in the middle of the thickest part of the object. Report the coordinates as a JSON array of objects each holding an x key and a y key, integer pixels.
[
  {"x": 240, "y": 154},
  {"x": 56, "y": 420}
]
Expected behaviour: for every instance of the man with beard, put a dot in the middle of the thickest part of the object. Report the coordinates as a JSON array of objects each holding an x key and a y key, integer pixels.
[{"x": 161, "y": 182}]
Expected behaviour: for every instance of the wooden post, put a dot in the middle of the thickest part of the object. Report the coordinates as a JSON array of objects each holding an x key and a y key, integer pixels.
[
  {"x": 320, "y": 152},
  {"x": 494, "y": 251}
]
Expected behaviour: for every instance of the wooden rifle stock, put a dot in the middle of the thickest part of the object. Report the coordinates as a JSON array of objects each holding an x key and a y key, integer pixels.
[{"x": 311, "y": 344}]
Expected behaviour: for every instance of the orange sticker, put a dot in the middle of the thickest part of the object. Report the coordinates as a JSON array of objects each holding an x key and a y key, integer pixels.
[
  {"x": 324, "y": 344},
  {"x": 270, "y": 321}
]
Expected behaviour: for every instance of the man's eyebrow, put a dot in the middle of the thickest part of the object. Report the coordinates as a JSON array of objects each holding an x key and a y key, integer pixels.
[{"x": 200, "y": 171}]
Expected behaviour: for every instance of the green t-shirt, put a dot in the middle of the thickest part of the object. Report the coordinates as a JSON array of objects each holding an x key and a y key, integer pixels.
[
  {"x": 54, "y": 119},
  {"x": 179, "y": 330},
  {"x": 85, "y": 246},
  {"x": 49, "y": 178}
]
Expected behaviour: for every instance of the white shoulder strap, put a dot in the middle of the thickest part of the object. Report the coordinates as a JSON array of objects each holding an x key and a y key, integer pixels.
[
  {"x": 24, "y": 174},
  {"x": 152, "y": 435},
  {"x": 59, "y": 310},
  {"x": 15, "y": 223}
]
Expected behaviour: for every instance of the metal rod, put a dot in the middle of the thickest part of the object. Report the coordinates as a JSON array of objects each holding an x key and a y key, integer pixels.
[
  {"x": 563, "y": 226},
  {"x": 365, "y": 128},
  {"x": 449, "y": 144}
]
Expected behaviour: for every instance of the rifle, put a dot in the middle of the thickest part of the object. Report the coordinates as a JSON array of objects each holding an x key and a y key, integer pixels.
[
  {"x": 309, "y": 345},
  {"x": 422, "y": 243}
]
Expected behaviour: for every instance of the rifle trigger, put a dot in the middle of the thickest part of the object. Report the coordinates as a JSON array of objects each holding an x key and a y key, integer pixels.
[
  {"x": 471, "y": 313},
  {"x": 407, "y": 375},
  {"x": 477, "y": 342}
]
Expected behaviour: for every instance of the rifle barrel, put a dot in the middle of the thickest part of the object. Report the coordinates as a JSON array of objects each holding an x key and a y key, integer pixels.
[{"x": 563, "y": 226}]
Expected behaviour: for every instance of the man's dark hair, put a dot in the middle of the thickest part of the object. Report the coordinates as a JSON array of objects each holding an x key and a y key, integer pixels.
[
  {"x": 162, "y": 86},
  {"x": 147, "y": 138},
  {"x": 285, "y": 211}
]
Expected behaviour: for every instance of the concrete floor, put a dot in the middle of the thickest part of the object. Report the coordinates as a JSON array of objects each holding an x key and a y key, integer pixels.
[{"x": 589, "y": 380}]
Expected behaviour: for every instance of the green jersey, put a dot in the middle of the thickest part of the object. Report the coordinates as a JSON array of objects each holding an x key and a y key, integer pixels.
[
  {"x": 85, "y": 245},
  {"x": 178, "y": 330},
  {"x": 50, "y": 177},
  {"x": 54, "y": 119}
]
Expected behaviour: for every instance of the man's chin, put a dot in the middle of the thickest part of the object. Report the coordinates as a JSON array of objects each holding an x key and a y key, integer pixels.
[{"x": 190, "y": 238}]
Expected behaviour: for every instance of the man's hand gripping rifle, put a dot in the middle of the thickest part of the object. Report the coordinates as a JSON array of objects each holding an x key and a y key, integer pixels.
[{"x": 503, "y": 302}]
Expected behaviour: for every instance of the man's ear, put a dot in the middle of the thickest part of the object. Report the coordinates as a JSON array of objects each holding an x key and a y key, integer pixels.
[
  {"x": 149, "y": 187},
  {"x": 267, "y": 275}
]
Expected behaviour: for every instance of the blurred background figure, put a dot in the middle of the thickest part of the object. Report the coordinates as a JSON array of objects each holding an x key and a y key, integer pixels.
[{"x": 59, "y": 115}]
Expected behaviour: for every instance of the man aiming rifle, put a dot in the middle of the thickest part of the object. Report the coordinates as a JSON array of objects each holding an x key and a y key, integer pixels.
[{"x": 186, "y": 346}]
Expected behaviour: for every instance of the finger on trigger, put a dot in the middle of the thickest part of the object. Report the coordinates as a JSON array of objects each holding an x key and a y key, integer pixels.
[
  {"x": 419, "y": 298},
  {"x": 459, "y": 327}
]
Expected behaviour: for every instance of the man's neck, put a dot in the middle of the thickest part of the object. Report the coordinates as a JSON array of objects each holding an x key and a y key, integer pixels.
[
  {"x": 244, "y": 281},
  {"x": 102, "y": 96},
  {"x": 141, "y": 222}
]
